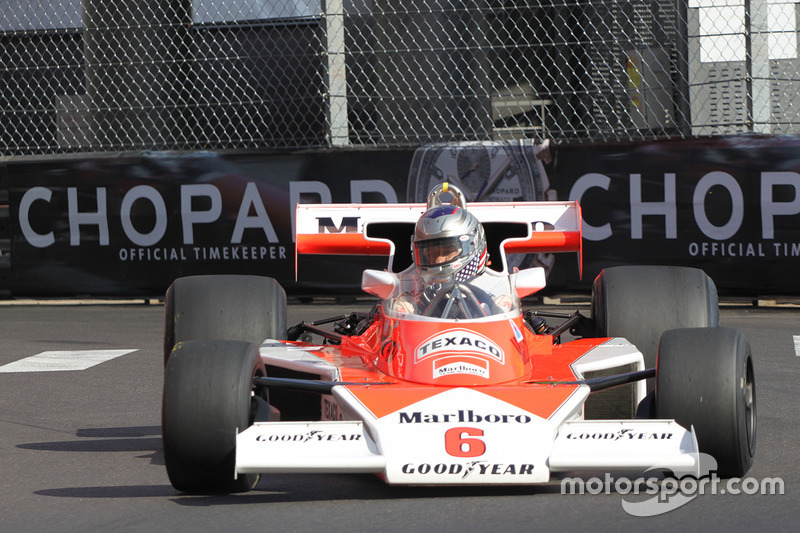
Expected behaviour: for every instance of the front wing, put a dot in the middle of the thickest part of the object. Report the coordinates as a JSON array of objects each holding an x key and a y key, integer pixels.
[{"x": 465, "y": 436}]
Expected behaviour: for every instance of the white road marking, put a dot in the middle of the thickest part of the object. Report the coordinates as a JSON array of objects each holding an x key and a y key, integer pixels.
[
  {"x": 61, "y": 361},
  {"x": 796, "y": 345}
]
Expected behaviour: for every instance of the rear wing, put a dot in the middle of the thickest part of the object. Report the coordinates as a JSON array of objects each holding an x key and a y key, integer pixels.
[{"x": 378, "y": 229}]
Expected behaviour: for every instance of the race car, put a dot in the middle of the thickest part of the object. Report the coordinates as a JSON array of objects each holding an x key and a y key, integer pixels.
[{"x": 460, "y": 390}]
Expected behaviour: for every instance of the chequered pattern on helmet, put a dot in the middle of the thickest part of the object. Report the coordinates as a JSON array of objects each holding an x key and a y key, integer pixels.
[{"x": 472, "y": 269}]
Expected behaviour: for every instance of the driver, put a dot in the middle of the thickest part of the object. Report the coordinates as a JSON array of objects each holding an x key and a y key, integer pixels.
[
  {"x": 449, "y": 242},
  {"x": 449, "y": 252}
]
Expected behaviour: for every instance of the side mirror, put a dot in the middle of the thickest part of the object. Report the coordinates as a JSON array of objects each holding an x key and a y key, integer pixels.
[
  {"x": 379, "y": 283},
  {"x": 529, "y": 281}
]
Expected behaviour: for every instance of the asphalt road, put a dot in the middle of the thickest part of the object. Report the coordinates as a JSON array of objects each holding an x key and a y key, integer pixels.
[{"x": 81, "y": 448}]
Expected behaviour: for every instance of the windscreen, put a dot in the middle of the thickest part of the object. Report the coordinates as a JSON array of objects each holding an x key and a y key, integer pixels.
[{"x": 487, "y": 295}]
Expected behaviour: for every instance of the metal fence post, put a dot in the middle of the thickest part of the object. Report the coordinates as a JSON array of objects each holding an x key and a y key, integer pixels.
[
  {"x": 758, "y": 97},
  {"x": 337, "y": 73}
]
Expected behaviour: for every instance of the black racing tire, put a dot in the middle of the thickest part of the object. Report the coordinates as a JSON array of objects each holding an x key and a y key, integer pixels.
[
  {"x": 208, "y": 397},
  {"x": 224, "y": 307},
  {"x": 705, "y": 380},
  {"x": 640, "y": 303}
]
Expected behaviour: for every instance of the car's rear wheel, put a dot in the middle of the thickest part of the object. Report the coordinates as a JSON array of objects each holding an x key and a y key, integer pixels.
[
  {"x": 639, "y": 303},
  {"x": 224, "y": 307},
  {"x": 705, "y": 380},
  {"x": 208, "y": 397},
  {"x": 642, "y": 302}
]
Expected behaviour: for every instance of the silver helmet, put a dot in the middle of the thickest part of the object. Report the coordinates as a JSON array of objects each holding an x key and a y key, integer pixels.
[{"x": 449, "y": 242}]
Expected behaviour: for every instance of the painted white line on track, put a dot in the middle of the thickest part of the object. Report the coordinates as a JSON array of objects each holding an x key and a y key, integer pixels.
[
  {"x": 61, "y": 361},
  {"x": 796, "y": 345}
]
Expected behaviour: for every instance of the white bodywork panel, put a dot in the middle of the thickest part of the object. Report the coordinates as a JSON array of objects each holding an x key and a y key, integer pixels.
[
  {"x": 614, "y": 353},
  {"x": 462, "y": 435}
]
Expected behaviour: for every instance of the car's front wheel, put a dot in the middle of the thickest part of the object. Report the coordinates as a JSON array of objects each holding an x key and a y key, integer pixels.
[
  {"x": 208, "y": 397},
  {"x": 705, "y": 380}
]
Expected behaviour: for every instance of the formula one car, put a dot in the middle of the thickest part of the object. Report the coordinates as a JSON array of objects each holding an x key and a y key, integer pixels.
[{"x": 460, "y": 390}]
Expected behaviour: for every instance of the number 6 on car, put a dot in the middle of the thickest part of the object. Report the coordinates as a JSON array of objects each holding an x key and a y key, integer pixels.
[{"x": 457, "y": 445}]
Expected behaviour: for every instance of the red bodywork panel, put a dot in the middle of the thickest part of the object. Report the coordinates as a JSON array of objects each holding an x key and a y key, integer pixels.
[
  {"x": 410, "y": 355},
  {"x": 422, "y": 358}
]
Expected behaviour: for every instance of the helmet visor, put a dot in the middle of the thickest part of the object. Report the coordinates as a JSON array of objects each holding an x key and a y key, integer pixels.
[{"x": 437, "y": 252}]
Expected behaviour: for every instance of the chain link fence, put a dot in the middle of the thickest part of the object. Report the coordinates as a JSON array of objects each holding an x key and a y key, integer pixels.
[{"x": 110, "y": 75}]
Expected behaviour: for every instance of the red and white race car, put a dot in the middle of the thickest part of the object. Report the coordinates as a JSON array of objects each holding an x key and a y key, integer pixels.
[{"x": 461, "y": 391}]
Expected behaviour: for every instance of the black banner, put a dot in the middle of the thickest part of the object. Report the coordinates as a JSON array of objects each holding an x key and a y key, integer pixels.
[
  {"x": 128, "y": 224},
  {"x": 730, "y": 206}
]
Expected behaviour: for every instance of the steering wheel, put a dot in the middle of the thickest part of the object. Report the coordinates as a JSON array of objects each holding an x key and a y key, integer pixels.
[{"x": 458, "y": 302}]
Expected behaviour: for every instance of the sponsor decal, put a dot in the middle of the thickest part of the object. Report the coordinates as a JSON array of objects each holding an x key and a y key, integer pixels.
[
  {"x": 471, "y": 468},
  {"x": 330, "y": 410},
  {"x": 348, "y": 225},
  {"x": 309, "y": 436},
  {"x": 461, "y": 416},
  {"x": 622, "y": 434},
  {"x": 460, "y": 341},
  {"x": 479, "y": 368},
  {"x": 517, "y": 333}
]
